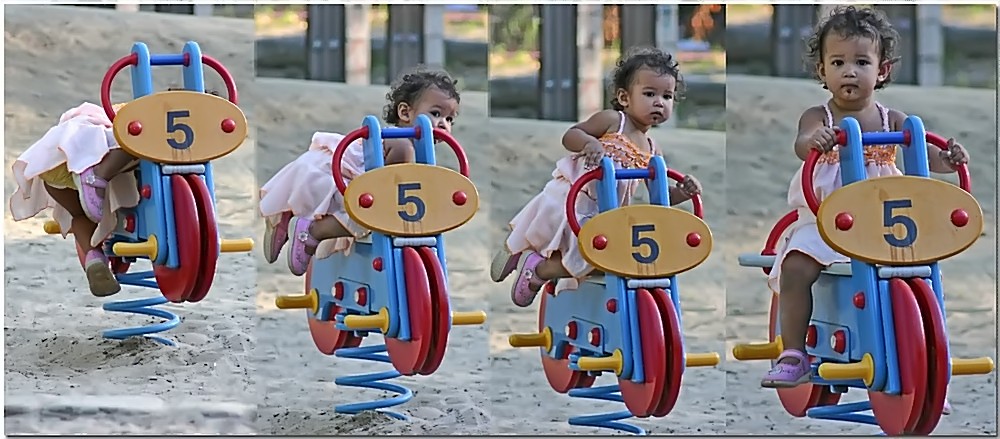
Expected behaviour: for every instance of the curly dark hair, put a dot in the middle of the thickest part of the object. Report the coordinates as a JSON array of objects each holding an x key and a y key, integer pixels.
[
  {"x": 848, "y": 21},
  {"x": 636, "y": 58},
  {"x": 411, "y": 84}
]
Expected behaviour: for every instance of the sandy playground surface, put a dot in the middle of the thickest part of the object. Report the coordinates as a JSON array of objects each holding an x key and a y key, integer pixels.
[
  {"x": 759, "y": 163},
  {"x": 60, "y": 375}
]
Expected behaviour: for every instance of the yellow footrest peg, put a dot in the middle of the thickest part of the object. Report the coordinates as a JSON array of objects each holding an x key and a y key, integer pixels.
[
  {"x": 378, "y": 321},
  {"x": 51, "y": 227},
  {"x": 299, "y": 301},
  {"x": 236, "y": 245},
  {"x": 612, "y": 363},
  {"x": 699, "y": 360},
  {"x": 468, "y": 317},
  {"x": 758, "y": 351},
  {"x": 863, "y": 370},
  {"x": 537, "y": 340},
  {"x": 971, "y": 366},
  {"x": 146, "y": 249}
]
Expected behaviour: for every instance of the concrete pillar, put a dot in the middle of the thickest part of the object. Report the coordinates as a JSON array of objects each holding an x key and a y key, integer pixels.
[
  {"x": 930, "y": 45},
  {"x": 127, "y": 7},
  {"x": 434, "y": 35},
  {"x": 204, "y": 10},
  {"x": 590, "y": 48},
  {"x": 668, "y": 36},
  {"x": 358, "y": 45}
]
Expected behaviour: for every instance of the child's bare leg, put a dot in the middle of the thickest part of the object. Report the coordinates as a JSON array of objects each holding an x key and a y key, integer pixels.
[
  {"x": 111, "y": 165},
  {"x": 798, "y": 274},
  {"x": 102, "y": 281},
  {"x": 306, "y": 234},
  {"x": 326, "y": 228}
]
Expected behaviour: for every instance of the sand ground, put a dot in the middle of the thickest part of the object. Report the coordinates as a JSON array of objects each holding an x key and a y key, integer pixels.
[
  {"x": 60, "y": 375},
  {"x": 759, "y": 165}
]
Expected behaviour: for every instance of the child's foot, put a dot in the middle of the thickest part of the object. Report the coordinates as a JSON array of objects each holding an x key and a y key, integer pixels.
[
  {"x": 275, "y": 237},
  {"x": 88, "y": 184},
  {"x": 298, "y": 259},
  {"x": 792, "y": 369},
  {"x": 102, "y": 281},
  {"x": 947, "y": 408},
  {"x": 526, "y": 287},
  {"x": 503, "y": 264}
]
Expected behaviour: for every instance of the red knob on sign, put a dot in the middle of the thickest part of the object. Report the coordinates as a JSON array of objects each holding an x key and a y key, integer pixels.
[
  {"x": 459, "y": 198},
  {"x": 366, "y": 200},
  {"x": 959, "y": 217},
  {"x": 844, "y": 221},
  {"x": 693, "y": 239},
  {"x": 600, "y": 242},
  {"x": 228, "y": 125},
  {"x": 135, "y": 128}
]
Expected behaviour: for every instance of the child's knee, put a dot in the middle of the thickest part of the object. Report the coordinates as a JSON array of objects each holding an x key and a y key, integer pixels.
[{"x": 800, "y": 268}]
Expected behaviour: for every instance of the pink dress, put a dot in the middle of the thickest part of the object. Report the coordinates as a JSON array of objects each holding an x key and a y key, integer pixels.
[
  {"x": 803, "y": 235},
  {"x": 81, "y": 140},
  {"x": 306, "y": 188},
  {"x": 541, "y": 226}
]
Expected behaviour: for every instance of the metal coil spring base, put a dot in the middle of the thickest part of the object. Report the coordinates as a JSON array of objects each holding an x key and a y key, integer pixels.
[
  {"x": 850, "y": 412},
  {"x": 604, "y": 420},
  {"x": 375, "y": 380},
  {"x": 142, "y": 307}
]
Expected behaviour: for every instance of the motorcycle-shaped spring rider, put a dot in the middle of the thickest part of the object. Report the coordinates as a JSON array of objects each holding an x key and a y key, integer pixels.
[
  {"x": 175, "y": 135},
  {"x": 878, "y": 322},
  {"x": 394, "y": 281},
  {"x": 627, "y": 321}
]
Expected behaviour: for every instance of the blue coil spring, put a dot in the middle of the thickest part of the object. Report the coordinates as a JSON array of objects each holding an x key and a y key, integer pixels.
[
  {"x": 850, "y": 412},
  {"x": 375, "y": 380},
  {"x": 610, "y": 420},
  {"x": 142, "y": 307}
]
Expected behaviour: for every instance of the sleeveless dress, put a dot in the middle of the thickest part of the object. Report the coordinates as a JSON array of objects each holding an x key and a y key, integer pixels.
[
  {"x": 803, "y": 235},
  {"x": 305, "y": 187},
  {"x": 541, "y": 226},
  {"x": 80, "y": 140}
]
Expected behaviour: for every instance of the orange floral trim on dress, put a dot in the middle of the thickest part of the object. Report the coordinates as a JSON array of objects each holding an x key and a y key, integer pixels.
[
  {"x": 882, "y": 155},
  {"x": 622, "y": 150}
]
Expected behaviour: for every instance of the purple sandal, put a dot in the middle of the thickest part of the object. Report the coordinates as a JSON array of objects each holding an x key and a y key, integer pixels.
[
  {"x": 522, "y": 293},
  {"x": 102, "y": 281},
  {"x": 298, "y": 259},
  {"x": 275, "y": 237},
  {"x": 87, "y": 183},
  {"x": 784, "y": 375},
  {"x": 503, "y": 264}
]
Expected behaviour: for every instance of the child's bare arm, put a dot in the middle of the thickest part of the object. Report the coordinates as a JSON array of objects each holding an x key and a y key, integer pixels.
[
  {"x": 811, "y": 121},
  {"x": 579, "y": 135},
  {"x": 935, "y": 161},
  {"x": 398, "y": 151}
]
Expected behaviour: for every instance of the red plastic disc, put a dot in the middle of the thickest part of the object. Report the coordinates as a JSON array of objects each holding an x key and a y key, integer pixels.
[
  {"x": 898, "y": 414},
  {"x": 408, "y": 356},
  {"x": 325, "y": 334},
  {"x": 673, "y": 336},
  {"x": 177, "y": 283},
  {"x": 937, "y": 356},
  {"x": 643, "y": 398},
  {"x": 440, "y": 310},
  {"x": 561, "y": 378},
  {"x": 209, "y": 238},
  {"x": 797, "y": 400}
]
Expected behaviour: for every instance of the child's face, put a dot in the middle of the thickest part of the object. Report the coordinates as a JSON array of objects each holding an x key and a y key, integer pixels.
[
  {"x": 650, "y": 98},
  {"x": 850, "y": 67},
  {"x": 433, "y": 102}
]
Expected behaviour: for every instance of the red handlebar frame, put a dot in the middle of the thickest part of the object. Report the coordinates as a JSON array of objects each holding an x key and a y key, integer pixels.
[
  {"x": 808, "y": 189},
  {"x": 133, "y": 59},
  {"x": 598, "y": 173},
  {"x": 362, "y": 133}
]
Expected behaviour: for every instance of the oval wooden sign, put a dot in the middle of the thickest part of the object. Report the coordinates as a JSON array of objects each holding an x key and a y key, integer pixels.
[
  {"x": 178, "y": 127},
  {"x": 645, "y": 241},
  {"x": 411, "y": 199},
  {"x": 900, "y": 220}
]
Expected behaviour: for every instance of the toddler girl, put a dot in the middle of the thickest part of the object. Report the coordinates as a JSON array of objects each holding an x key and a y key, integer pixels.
[
  {"x": 541, "y": 246},
  {"x": 77, "y": 169},
  {"x": 852, "y": 52},
  {"x": 302, "y": 197}
]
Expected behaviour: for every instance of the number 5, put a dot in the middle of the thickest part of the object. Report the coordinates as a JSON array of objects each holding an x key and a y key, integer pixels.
[
  {"x": 173, "y": 126},
  {"x": 639, "y": 241},
  {"x": 403, "y": 199},
  {"x": 889, "y": 219}
]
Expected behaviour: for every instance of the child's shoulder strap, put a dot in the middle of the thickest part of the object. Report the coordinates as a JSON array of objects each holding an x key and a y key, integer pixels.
[
  {"x": 829, "y": 114},
  {"x": 621, "y": 122},
  {"x": 884, "y": 113}
]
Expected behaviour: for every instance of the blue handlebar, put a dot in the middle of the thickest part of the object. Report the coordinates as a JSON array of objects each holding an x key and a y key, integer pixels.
[
  {"x": 631, "y": 174},
  {"x": 884, "y": 138},
  {"x": 399, "y": 133},
  {"x": 166, "y": 60}
]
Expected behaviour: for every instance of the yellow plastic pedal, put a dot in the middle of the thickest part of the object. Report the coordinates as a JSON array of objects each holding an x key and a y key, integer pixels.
[
  {"x": 468, "y": 317},
  {"x": 236, "y": 245},
  {"x": 537, "y": 340},
  {"x": 299, "y": 301},
  {"x": 863, "y": 370},
  {"x": 971, "y": 366},
  {"x": 378, "y": 321},
  {"x": 612, "y": 363},
  {"x": 136, "y": 249},
  {"x": 698, "y": 360},
  {"x": 758, "y": 351}
]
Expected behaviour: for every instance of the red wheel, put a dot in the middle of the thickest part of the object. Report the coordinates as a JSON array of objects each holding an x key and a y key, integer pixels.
[
  {"x": 324, "y": 333},
  {"x": 797, "y": 400},
  {"x": 177, "y": 283},
  {"x": 643, "y": 398},
  {"x": 209, "y": 238},
  {"x": 675, "y": 352},
  {"x": 408, "y": 356},
  {"x": 937, "y": 355},
  {"x": 561, "y": 378},
  {"x": 898, "y": 414},
  {"x": 440, "y": 310}
]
